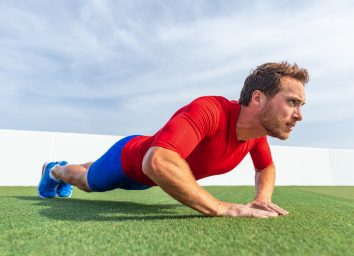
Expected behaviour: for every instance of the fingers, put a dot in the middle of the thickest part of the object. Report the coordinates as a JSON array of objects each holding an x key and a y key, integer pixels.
[
  {"x": 278, "y": 209},
  {"x": 238, "y": 210},
  {"x": 254, "y": 210},
  {"x": 256, "y": 213},
  {"x": 261, "y": 206},
  {"x": 268, "y": 207}
]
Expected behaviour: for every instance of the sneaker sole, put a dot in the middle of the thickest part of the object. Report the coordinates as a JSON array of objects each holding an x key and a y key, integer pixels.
[
  {"x": 65, "y": 196},
  {"x": 43, "y": 168}
]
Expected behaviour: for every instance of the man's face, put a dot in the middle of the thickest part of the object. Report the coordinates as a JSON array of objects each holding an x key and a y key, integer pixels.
[{"x": 280, "y": 113}]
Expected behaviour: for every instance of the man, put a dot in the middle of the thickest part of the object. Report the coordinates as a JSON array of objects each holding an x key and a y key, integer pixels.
[{"x": 209, "y": 136}]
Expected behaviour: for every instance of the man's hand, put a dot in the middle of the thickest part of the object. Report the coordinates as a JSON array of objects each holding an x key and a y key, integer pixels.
[
  {"x": 267, "y": 206},
  {"x": 240, "y": 210}
]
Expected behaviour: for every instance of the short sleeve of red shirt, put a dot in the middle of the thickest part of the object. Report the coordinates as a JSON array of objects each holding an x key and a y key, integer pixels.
[
  {"x": 260, "y": 154},
  {"x": 189, "y": 126}
]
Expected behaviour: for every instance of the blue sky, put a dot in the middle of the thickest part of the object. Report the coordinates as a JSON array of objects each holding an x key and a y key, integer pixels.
[{"x": 124, "y": 67}]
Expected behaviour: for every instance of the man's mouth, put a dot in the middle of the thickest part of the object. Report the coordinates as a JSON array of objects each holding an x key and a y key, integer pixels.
[{"x": 290, "y": 126}]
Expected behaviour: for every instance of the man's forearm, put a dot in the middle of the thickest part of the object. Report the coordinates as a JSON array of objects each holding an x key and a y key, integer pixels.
[{"x": 264, "y": 182}]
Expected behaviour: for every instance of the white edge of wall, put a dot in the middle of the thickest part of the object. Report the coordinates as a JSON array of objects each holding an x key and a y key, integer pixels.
[{"x": 22, "y": 154}]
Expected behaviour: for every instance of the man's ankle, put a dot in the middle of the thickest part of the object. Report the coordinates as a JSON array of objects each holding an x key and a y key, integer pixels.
[{"x": 54, "y": 173}]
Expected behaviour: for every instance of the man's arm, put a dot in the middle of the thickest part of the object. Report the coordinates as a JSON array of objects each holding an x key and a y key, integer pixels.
[
  {"x": 172, "y": 173},
  {"x": 264, "y": 182}
]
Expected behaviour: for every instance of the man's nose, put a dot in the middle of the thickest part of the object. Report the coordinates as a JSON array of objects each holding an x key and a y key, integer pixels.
[{"x": 297, "y": 114}]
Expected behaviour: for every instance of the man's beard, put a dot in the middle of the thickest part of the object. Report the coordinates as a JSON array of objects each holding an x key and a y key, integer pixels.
[{"x": 272, "y": 123}]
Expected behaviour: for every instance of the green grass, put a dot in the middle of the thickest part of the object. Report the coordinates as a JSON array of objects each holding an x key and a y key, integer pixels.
[{"x": 321, "y": 222}]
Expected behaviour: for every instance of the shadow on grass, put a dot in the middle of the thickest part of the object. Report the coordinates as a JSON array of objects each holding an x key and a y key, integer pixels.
[{"x": 96, "y": 210}]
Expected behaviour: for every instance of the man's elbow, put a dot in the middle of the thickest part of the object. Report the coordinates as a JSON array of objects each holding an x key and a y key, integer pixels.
[{"x": 152, "y": 162}]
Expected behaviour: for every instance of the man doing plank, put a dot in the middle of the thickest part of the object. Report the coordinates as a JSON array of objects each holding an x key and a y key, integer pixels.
[{"x": 209, "y": 136}]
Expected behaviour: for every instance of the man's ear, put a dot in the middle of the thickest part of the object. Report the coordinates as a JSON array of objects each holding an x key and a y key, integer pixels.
[{"x": 257, "y": 97}]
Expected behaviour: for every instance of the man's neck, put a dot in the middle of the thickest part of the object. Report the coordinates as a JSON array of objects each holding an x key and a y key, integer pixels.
[{"x": 248, "y": 125}]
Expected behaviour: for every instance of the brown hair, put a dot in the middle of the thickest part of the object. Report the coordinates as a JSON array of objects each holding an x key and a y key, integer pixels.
[{"x": 266, "y": 78}]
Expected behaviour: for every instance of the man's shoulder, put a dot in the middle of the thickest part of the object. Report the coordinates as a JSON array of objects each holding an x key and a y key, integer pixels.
[
  {"x": 216, "y": 108},
  {"x": 213, "y": 97},
  {"x": 216, "y": 100}
]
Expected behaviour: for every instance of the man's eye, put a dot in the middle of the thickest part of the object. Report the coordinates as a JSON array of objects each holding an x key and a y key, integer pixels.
[{"x": 292, "y": 102}]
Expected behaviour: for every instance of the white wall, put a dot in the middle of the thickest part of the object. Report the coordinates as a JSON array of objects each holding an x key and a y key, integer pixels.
[{"x": 22, "y": 154}]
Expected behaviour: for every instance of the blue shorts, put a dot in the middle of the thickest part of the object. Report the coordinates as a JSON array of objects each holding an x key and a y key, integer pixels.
[{"x": 107, "y": 173}]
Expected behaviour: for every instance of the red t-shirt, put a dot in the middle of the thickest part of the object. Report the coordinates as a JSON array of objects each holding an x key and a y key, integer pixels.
[{"x": 204, "y": 134}]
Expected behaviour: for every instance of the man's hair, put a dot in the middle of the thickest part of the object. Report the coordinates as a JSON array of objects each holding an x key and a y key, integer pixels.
[{"x": 266, "y": 78}]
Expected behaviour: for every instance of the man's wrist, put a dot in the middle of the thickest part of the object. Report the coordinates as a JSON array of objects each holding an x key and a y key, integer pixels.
[{"x": 263, "y": 198}]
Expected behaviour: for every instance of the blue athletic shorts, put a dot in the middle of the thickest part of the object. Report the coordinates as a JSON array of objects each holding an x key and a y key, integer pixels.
[{"x": 107, "y": 174}]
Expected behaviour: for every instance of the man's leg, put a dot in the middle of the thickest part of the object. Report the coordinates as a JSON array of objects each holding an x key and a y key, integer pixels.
[
  {"x": 73, "y": 174},
  {"x": 105, "y": 174}
]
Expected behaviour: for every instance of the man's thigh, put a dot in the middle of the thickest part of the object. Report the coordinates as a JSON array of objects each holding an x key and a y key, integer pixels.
[{"x": 107, "y": 173}]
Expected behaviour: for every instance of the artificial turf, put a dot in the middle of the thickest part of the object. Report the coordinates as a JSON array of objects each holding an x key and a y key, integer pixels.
[{"x": 321, "y": 222}]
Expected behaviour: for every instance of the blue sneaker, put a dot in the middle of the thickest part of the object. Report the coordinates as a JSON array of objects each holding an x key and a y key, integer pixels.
[
  {"x": 47, "y": 186},
  {"x": 64, "y": 189}
]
